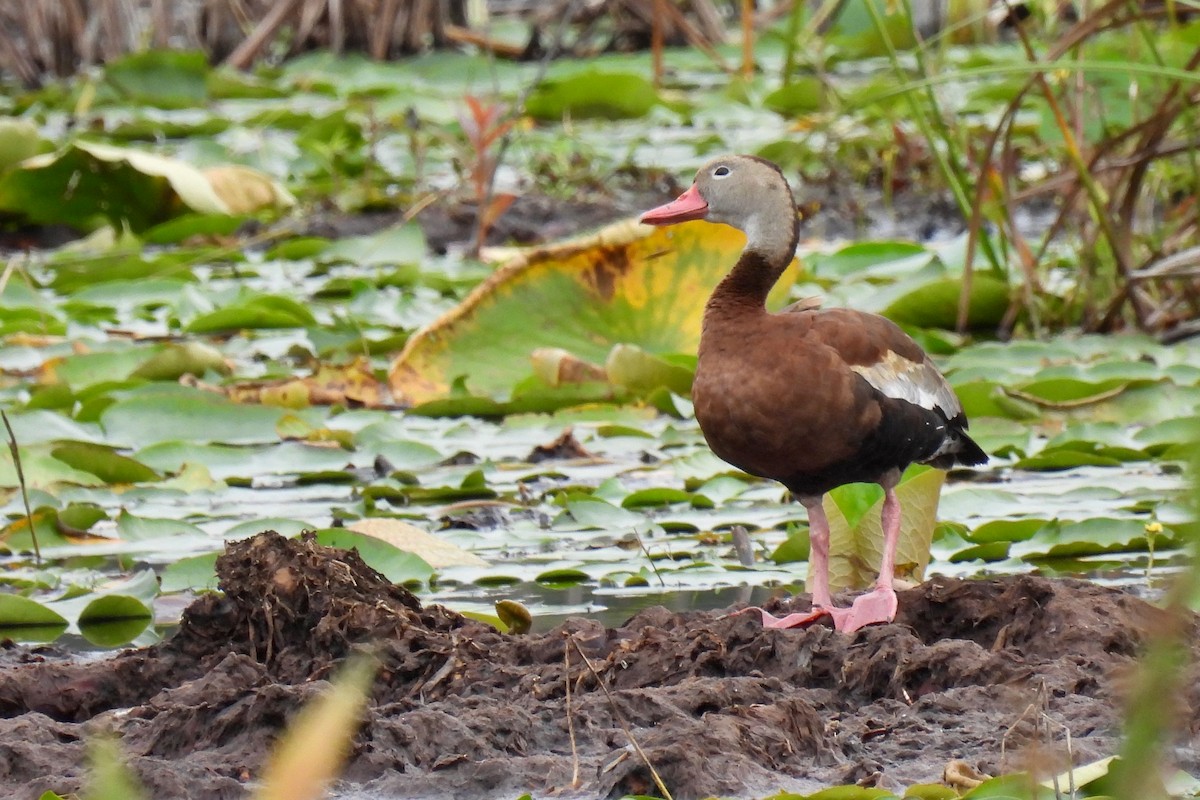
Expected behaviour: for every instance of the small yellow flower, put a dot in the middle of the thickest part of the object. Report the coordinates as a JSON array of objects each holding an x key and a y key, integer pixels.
[{"x": 1154, "y": 528}]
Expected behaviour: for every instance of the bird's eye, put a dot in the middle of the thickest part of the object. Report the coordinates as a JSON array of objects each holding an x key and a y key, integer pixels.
[{"x": 721, "y": 172}]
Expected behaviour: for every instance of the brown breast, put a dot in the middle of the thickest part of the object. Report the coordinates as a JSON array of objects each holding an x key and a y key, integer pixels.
[{"x": 776, "y": 400}]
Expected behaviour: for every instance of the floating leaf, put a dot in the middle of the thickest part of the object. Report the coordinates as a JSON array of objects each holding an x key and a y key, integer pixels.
[
  {"x": 17, "y": 611},
  {"x": 802, "y": 95},
  {"x": 184, "y": 414},
  {"x": 592, "y": 94},
  {"x": 87, "y": 182},
  {"x": 627, "y": 284},
  {"x": 192, "y": 572},
  {"x": 1087, "y": 537},
  {"x": 395, "y": 564},
  {"x": 103, "y": 462},
  {"x": 399, "y": 244},
  {"x": 160, "y": 78},
  {"x": 935, "y": 304},
  {"x": 177, "y": 360},
  {"x": 252, "y": 312},
  {"x": 408, "y": 537},
  {"x": 631, "y": 367},
  {"x": 19, "y": 139},
  {"x": 565, "y": 576}
]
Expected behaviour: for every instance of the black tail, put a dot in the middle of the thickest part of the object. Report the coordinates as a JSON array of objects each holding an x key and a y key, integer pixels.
[{"x": 961, "y": 449}]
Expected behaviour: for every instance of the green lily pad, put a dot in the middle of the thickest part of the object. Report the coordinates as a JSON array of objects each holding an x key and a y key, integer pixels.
[
  {"x": 186, "y": 414},
  {"x": 192, "y": 572},
  {"x": 159, "y": 78},
  {"x": 935, "y": 304},
  {"x": 624, "y": 285},
  {"x": 87, "y": 183},
  {"x": 396, "y": 565},
  {"x": 17, "y": 612},
  {"x": 1087, "y": 537},
  {"x": 255, "y": 311},
  {"x": 400, "y": 244},
  {"x": 592, "y": 94},
  {"x": 856, "y": 533},
  {"x": 19, "y": 140},
  {"x": 103, "y": 462}
]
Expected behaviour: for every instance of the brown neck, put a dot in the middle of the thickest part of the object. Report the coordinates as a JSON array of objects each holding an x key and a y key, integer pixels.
[
  {"x": 748, "y": 283},
  {"x": 765, "y": 258}
]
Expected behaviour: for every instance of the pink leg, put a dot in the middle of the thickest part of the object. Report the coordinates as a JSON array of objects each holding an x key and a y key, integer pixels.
[
  {"x": 818, "y": 570},
  {"x": 879, "y": 604}
]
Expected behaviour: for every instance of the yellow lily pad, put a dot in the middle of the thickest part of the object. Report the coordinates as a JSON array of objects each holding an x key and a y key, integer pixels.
[{"x": 626, "y": 284}]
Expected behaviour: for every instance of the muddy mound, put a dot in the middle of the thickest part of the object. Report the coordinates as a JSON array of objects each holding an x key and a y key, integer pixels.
[{"x": 717, "y": 704}]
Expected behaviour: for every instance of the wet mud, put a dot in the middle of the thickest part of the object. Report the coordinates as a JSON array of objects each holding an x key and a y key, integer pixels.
[{"x": 717, "y": 704}]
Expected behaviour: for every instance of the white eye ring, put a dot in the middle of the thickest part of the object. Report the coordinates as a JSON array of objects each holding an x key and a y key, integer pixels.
[{"x": 721, "y": 172}]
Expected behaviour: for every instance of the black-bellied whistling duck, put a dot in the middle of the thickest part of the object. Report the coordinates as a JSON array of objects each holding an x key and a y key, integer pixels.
[{"x": 811, "y": 398}]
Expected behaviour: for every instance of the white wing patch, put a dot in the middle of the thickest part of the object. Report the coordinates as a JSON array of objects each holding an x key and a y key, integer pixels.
[{"x": 919, "y": 383}]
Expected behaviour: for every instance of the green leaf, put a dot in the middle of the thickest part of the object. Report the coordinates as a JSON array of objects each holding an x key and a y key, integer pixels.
[
  {"x": 592, "y": 512},
  {"x": 592, "y": 94},
  {"x": 852, "y": 793},
  {"x": 112, "y": 608},
  {"x": 81, "y": 517},
  {"x": 1007, "y": 530},
  {"x": 19, "y": 139},
  {"x": 855, "y": 550},
  {"x": 177, "y": 360},
  {"x": 399, "y": 244},
  {"x": 254, "y": 311},
  {"x": 624, "y": 285},
  {"x": 1087, "y": 537},
  {"x": 185, "y": 414},
  {"x": 87, "y": 183},
  {"x": 1072, "y": 390},
  {"x": 1065, "y": 459},
  {"x": 655, "y": 497},
  {"x": 194, "y": 573},
  {"x": 930, "y": 791},
  {"x": 935, "y": 304},
  {"x": 563, "y": 576},
  {"x": 1018, "y": 786},
  {"x": 160, "y": 78},
  {"x": 186, "y": 226},
  {"x": 631, "y": 367},
  {"x": 396, "y": 565},
  {"x": 133, "y": 528},
  {"x": 103, "y": 462},
  {"x": 17, "y": 612},
  {"x": 796, "y": 547},
  {"x": 804, "y": 94},
  {"x": 892, "y": 258}
]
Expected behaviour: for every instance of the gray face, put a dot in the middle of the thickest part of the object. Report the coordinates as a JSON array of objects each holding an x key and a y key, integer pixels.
[{"x": 750, "y": 195}]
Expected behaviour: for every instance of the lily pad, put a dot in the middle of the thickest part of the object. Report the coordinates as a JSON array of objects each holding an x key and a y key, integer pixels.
[
  {"x": 856, "y": 532},
  {"x": 627, "y": 284},
  {"x": 592, "y": 95}
]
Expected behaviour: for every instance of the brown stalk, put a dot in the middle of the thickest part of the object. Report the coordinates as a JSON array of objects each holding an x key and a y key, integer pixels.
[
  {"x": 658, "y": 781},
  {"x": 244, "y": 54},
  {"x": 656, "y": 42},
  {"x": 16, "y": 456}
]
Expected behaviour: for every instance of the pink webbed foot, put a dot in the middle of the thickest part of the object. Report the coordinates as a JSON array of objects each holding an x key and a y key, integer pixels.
[
  {"x": 877, "y": 605},
  {"x": 796, "y": 620}
]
